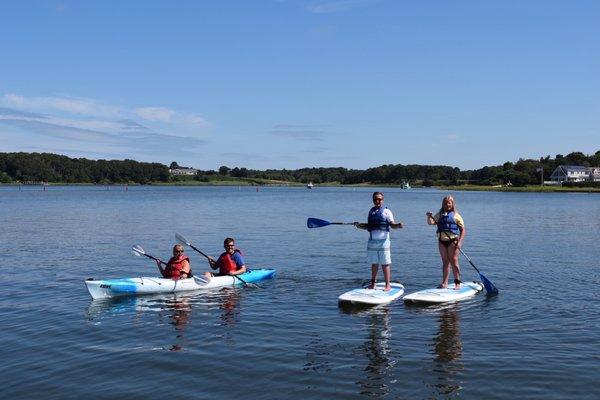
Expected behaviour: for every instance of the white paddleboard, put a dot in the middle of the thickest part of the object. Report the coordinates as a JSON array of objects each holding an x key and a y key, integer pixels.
[
  {"x": 467, "y": 289},
  {"x": 373, "y": 296}
]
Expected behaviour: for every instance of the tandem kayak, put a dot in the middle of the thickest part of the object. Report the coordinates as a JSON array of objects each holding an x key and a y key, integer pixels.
[{"x": 109, "y": 288}]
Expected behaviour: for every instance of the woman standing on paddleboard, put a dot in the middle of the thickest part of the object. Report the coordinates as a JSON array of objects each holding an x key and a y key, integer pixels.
[
  {"x": 380, "y": 220},
  {"x": 450, "y": 232}
]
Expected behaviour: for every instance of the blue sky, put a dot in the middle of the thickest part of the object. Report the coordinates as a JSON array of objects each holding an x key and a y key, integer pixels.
[{"x": 301, "y": 83}]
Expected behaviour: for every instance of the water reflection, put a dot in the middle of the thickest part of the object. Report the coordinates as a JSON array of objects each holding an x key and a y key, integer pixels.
[
  {"x": 178, "y": 311},
  {"x": 377, "y": 380},
  {"x": 229, "y": 299},
  {"x": 447, "y": 350},
  {"x": 176, "y": 308}
]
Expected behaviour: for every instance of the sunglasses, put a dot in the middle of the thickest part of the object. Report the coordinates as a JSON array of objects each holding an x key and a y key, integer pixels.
[
  {"x": 378, "y": 199},
  {"x": 229, "y": 245}
]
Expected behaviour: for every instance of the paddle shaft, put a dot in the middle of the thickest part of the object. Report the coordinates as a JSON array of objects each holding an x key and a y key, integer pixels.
[
  {"x": 154, "y": 258},
  {"x": 470, "y": 262},
  {"x": 198, "y": 250}
]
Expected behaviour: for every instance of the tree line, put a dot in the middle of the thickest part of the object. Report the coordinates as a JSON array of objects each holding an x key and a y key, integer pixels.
[
  {"x": 54, "y": 168},
  {"x": 46, "y": 167},
  {"x": 520, "y": 173}
]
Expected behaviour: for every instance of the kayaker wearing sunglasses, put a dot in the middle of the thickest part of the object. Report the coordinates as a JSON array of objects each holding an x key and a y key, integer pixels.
[{"x": 231, "y": 262}]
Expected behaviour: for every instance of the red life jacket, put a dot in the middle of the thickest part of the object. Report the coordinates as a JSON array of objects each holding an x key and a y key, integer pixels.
[
  {"x": 226, "y": 264},
  {"x": 174, "y": 267}
]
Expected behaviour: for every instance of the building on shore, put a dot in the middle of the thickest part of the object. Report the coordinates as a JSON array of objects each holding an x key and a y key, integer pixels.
[
  {"x": 575, "y": 173},
  {"x": 183, "y": 171}
]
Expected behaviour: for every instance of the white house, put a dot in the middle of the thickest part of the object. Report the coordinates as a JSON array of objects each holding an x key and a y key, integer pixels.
[
  {"x": 183, "y": 171},
  {"x": 571, "y": 173},
  {"x": 595, "y": 174}
]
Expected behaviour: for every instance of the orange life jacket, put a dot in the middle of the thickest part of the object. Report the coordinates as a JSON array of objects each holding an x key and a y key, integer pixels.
[
  {"x": 175, "y": 266},
  {"x": 226, "y": 264}
]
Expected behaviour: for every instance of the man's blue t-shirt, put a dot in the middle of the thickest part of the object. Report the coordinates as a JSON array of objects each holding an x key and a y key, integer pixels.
[{"x": 238, "y": 259}]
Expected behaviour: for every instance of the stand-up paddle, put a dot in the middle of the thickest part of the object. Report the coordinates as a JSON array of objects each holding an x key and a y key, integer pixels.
[
  {"x": 183, "y": 240},
  {"x": 319, "y": 223}
]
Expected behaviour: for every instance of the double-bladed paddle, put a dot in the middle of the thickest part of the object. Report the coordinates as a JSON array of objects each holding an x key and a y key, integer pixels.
[
  {"x": 319, "y": 223},
  {"x": 137, "y": 250},
  {"x": 183, "y": 240}
]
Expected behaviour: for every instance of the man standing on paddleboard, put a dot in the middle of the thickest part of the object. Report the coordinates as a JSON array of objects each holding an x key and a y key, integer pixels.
[{"x": 380, "y": 220}]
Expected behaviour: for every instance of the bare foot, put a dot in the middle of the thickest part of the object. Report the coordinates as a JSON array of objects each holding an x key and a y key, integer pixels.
[
  {"x": 442, "y": 286},
  {"x": 457, "y": 286},
  {"x": 387, "y": 288}
]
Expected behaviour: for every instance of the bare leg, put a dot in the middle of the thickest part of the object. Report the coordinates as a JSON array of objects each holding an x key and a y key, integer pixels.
[
  {"x": 453, "y": 257},
  {"x": 374, "y": 269},
  {"x": 445, "y": 264},
  {"x": 387, "y": 275}
]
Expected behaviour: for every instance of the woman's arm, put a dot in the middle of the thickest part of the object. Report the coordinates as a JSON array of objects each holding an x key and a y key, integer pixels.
[
  {"x": 461, "y": 237},
  {"x": 430, "y": 219},
  {"x": 160, "y": 267},
  {"x": 186, "y": 269}
]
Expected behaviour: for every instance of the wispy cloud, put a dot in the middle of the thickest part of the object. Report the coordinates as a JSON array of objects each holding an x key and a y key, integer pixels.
[
  {"x": 69, "y": 105},
  {"x": 332, "y": 6},
  {"x": 56, "y": 123}
]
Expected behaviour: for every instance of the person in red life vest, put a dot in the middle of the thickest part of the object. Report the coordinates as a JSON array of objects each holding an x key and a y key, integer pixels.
[
  {"x": 231, "y": 262},
  {"x": 451, "y": 233},
  {"x": 178, "y": 266}
]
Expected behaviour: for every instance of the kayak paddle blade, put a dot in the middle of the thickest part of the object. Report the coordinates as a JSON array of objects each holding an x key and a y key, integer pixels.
[
  {"x": 137, "y": 250},
  {"x": 181, "y": 239}
]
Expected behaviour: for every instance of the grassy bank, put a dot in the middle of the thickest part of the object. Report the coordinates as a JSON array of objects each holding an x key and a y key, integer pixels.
[{"x": 531, "y": 188}]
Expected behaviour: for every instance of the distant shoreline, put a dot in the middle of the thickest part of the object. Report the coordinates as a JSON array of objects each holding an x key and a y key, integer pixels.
[{"x": 476, "y": 188}]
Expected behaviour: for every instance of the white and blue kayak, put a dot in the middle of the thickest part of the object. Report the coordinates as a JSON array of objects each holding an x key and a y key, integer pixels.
[
  {"x": 449, "y": 294},
  {"x": 109, "y": 288},
  {"x": 373, "y": 296}
]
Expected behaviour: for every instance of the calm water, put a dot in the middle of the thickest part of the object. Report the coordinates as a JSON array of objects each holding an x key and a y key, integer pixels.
[{"x": 290, "y": 339}]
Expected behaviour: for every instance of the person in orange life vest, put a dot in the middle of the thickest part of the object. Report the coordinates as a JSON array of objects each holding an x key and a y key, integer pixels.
[
  {"x": 230, "y": 262},
  {"x": 451, "y": 233},
  {"x": 178, "y": 266}
]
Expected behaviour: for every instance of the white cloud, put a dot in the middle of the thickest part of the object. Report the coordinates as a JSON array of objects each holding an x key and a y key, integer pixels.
[
  {"x": 63, "y": 104},
  {"x": 155, "y": 113},
  {"x": 75, "y": 123}
]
